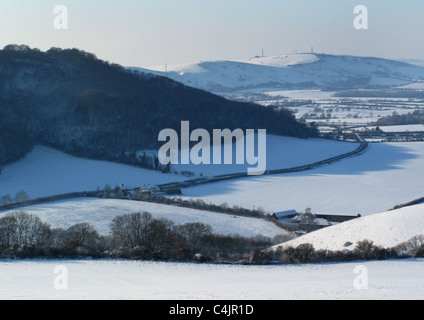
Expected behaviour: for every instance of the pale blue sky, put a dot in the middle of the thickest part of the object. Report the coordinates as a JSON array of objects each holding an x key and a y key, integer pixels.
[{"x": 145, "y": 33}]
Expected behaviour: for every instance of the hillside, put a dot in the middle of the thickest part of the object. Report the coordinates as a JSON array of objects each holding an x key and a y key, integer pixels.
[
  {"x": 387, "y": 229},
  {"x": 46, "y": 171},
  {"x": 299, "y": 71},
  {"x": 101, "y": 212},
  {"x": 386, "y": 175},
  {"x": 70, "y": 100}
]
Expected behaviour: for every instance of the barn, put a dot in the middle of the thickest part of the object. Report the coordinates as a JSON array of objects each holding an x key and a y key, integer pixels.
[{"x": 285, "y": 215}]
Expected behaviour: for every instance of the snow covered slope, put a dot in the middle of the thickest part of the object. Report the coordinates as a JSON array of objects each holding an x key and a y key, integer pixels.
[
  {"x": 299, "y": 71},
  {"x": 143, "y": 280},
  {"x": 282, "y": 153},
  {"x": 46, "y": 172},
  {"x": 386, "y": 229},
  {"x": 101, "y": 212},
  {"x": 387, "y": 175}
]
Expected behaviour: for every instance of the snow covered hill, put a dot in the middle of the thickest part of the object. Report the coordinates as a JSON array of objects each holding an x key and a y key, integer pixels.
[
  {"x": 386, "y": 229},
  {"x": 45, "y": 171},
  {"x": 101, "y": 212},
  {"x": 298, "y": 71},
  {"x": 388, "y": 174}
]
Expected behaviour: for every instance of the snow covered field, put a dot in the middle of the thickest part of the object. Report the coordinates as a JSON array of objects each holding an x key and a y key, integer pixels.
[
  {"x": 405, "y": 128},
  {"x": 387, "y": 229},
  {"x": 386, "y": 175},
  {"x": 45, "y": 171},
  {"x": 101, "y": 212},
  {"x": 282, "y": 152},
  {"x": 397, "y": 280}
]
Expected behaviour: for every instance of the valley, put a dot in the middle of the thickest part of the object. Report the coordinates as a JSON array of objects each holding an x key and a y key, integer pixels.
[{"x": 325, "y": 153}]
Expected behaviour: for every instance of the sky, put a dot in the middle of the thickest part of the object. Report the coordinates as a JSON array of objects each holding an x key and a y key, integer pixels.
[{"x": 156, "y": 32}]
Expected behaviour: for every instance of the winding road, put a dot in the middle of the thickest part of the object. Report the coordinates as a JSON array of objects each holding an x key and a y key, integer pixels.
[{"x": 364, "y": 146}]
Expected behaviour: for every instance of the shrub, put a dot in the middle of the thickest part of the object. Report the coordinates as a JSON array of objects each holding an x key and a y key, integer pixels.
[
  {"x": 173, "y": 191},
  {"x": 411, "y": 247},
  {"x": 257, "y": 257},
  {"x": 420, "y": 253},
  {"x": 366, "y": 250},
  {"x": 304, "y": 253}
]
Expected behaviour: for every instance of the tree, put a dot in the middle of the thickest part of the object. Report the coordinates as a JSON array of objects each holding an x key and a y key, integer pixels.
[
  {"x": 8, "y": 226},
  {"x": 7, "y": 199},
  {"x": 307, "y": 217},
  {"x": 194, "y": 234},
  {"x": 81, "y": 235},
  {"x": 22, "y": 197},
  {"x": 30, "y": 230},
  {"x": 107, "y": 190},
  {"x": 365, "y": 249},
  {"x": 131, "y": 229},
  {"x": 159, "y": 234}
]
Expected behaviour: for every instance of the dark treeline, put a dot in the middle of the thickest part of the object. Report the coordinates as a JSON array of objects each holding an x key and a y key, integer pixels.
[
  {"x": 416, "y": 117},
  {"x": 411, "y": 94},
  {"x": 74, "y": 102},
  {"x": 133, "y": 236},
  {"x": 7, "y": 202},
  {"x": 139, "y": 236},
  {"x": 364, "y": 250}
]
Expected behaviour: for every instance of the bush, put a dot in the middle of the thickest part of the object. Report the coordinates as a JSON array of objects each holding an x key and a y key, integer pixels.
[
  {"x": 173, "y": 191},
  {"x": 411, "y": 247},
  {"x": 364, "y": 250},
  {"x": 304, "y": 253},
  {"x": 420, "y": 253},
  {"x": 257, "y": 257}
]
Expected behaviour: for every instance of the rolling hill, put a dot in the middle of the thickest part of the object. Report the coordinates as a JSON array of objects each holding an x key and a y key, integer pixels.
[
  {"x": 101, "y": 212},
  {"x": 387, "y": 229},
  {"x": 299, "y": 71},
  {"x": 74, "y": 102}
]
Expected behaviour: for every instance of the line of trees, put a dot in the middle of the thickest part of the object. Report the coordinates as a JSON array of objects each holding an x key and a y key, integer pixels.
[
  {"x": 416, "y": 117},
  {"x": 139, "y": 236},
  {"x": 132, "y": 236},
  {"x": 20, "y": 197},
  {"x": 364, "y": 250}
]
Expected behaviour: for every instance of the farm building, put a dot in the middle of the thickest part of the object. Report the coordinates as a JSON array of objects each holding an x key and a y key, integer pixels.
[{"x": 285, "y": 215}]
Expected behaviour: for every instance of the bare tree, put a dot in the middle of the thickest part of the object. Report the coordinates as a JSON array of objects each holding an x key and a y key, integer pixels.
[
  {"x": 194, "y": 234},
  {"x": 307, "y": 217},
  {"x": 7, "y": 199},
  {"x": 82, "y": 235},
  {"x": 22, "y": 196},
  {"x": 132, "y": 229},
  {"x": 8, "y": 226},
  {"x": 29, "y": 229}
]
